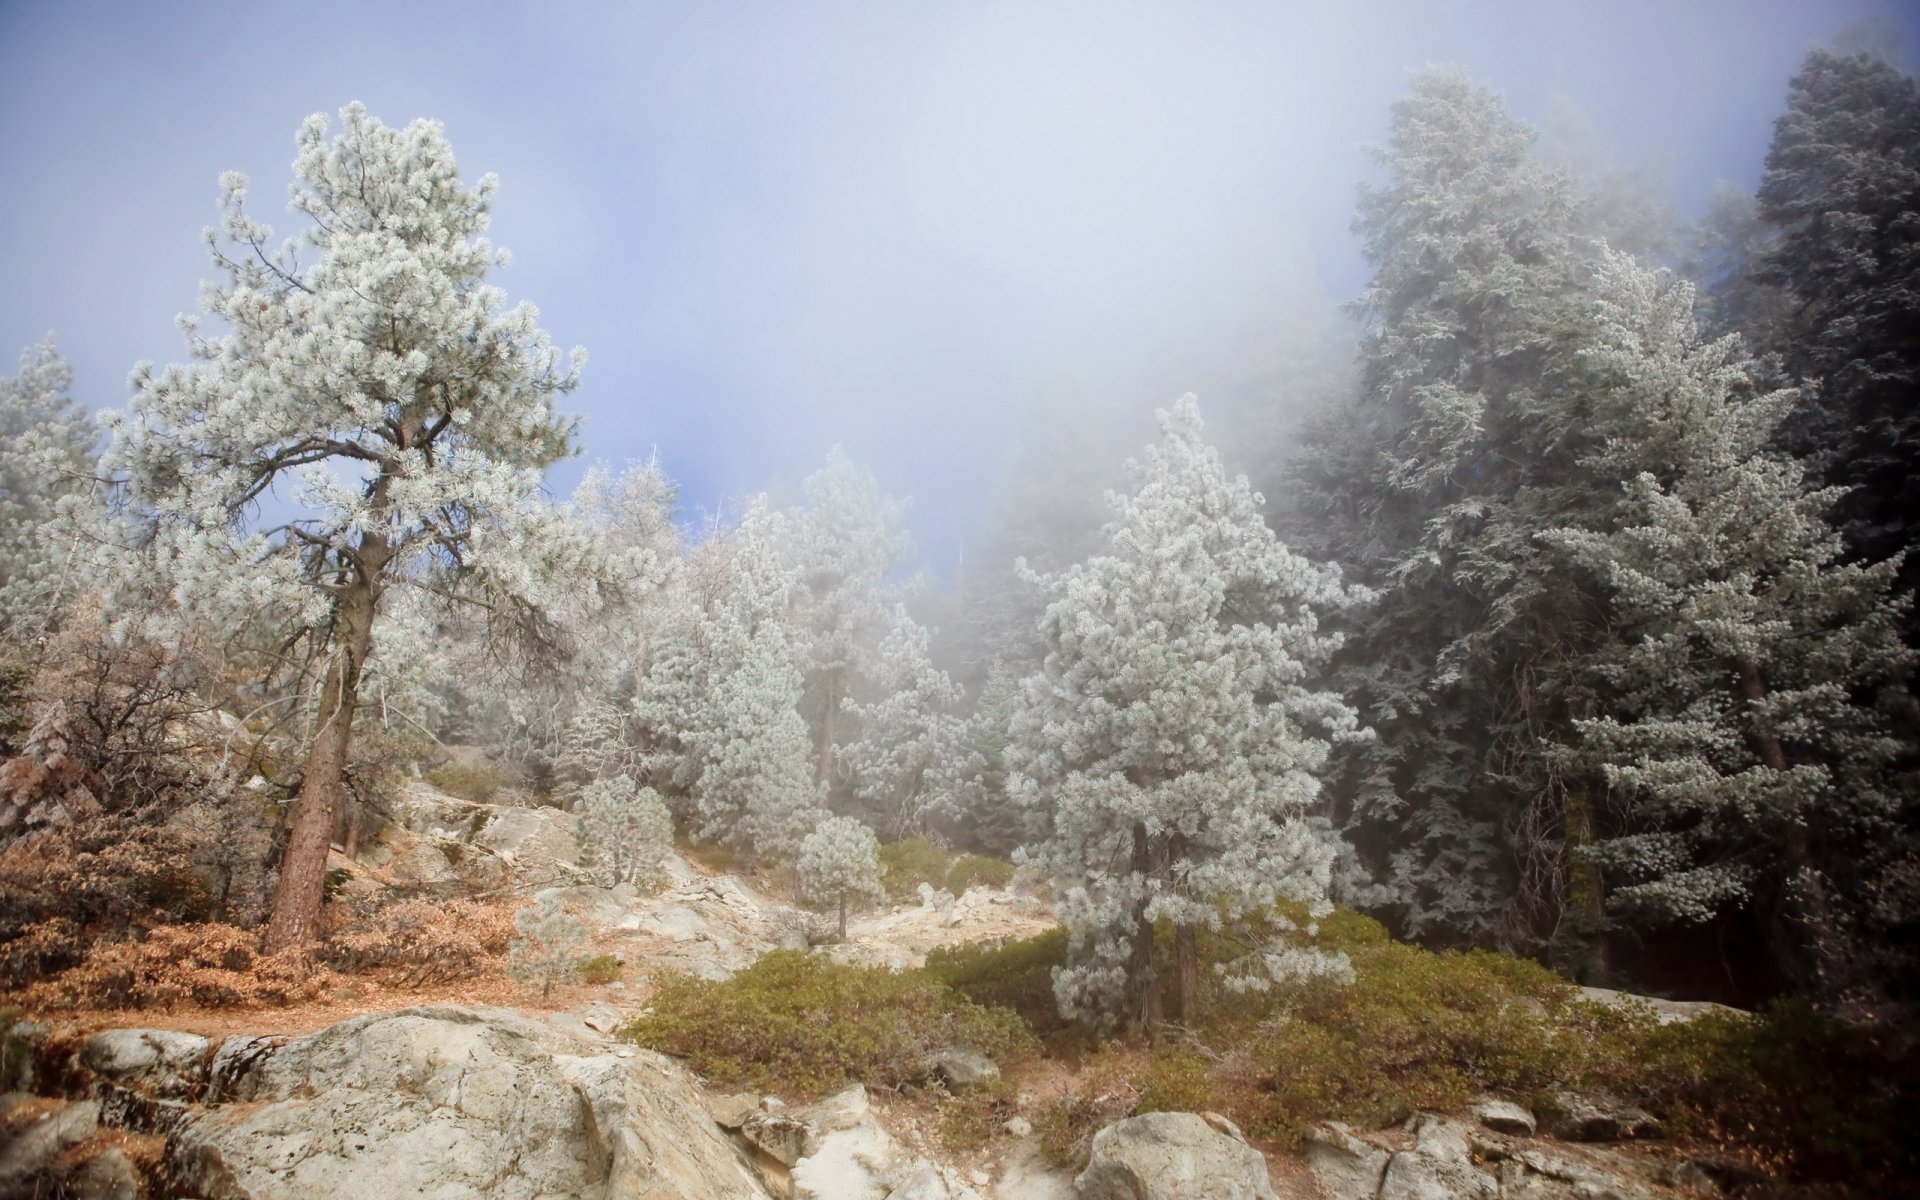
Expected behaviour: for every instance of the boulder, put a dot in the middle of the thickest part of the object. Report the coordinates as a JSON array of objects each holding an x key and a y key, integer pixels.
[
  {"x": 962, "y": 1069},
  {"x": 158, "y": 1061},
  {"x": 1170, "y": 1156},
  {"x": 1440, "y": 1139},
  {"x": 110, "y": 1175},
  {"x": 450, "y": 1102},
  {"x": 733, "y": 1110},
  {"x": 36, "y": 1140},
  {"x": 1599, "y": 1118},
  {"x": 1415, "y": 1176},
  {"x": 1503, "y": 1116},
  {"x": 1346, "y": 1167}
]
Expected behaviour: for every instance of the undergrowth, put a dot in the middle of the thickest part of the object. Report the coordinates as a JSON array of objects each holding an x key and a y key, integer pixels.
[
  {"x": 905, "y": 865},
  {"x": 804, "y": 1025}
]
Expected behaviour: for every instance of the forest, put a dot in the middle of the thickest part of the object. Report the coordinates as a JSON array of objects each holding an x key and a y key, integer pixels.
[{"x": 1557, "y": 632}]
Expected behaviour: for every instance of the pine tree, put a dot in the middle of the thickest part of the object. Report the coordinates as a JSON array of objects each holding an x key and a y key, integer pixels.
[
  {"x": 1171, "y": 736},
  {"x": 547, "y": 942},
  {"x": 903, "y": 763},
  {"x": 46, "y": 452},
  {"x": 625, "y": 833},
  {"x": 1742, "y": 735},
  {"x": 840, "y": 861},
  {"x": 1429, "y": 490},
  {"x": 407, "y": 418},
  {"x": 1842, "y": 193}
]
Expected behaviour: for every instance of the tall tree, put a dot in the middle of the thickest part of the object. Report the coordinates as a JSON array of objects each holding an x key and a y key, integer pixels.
[
  {"x": 1742, "y": 734},
  {"x": 1429, "y": 489},
  {"x": 371, "y": 417},
  {"x": 1842, "y": 194},
  {"x": 1171, "y": 736},
  {"x": 904, "y": 761},
  {"x": 46, "y": 452}
]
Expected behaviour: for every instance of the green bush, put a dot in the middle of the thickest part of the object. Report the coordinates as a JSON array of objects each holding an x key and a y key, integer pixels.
[
  {"x": 478, "y": 784},
  {"x": 977, "y": 870},
  {"x": 601, "y": 968},
  {"x": 805, "y": 1025},
  {"x": 1013, "y": 975}
]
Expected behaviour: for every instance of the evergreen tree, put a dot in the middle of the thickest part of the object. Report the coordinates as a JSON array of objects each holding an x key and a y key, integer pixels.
[
  {"x": 46, "y": 452},
  {"x": 1741, "y": 734},
  {"x": 1842, "y": 194},
  {"x": 1171, "y": 736},
  {"x": 403, "y": 413},
  {"x": 905, "y": 761},
  {"x": 1429, "y": 490},
  {"x": 625, "y": 833},
  {"x": 840, "y": 861}
]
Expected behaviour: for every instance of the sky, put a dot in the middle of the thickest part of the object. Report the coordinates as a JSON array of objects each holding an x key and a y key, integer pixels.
[{"x": 777, "y": 227}]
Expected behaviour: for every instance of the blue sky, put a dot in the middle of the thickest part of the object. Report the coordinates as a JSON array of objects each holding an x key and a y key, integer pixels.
[{"x": 776, "y": 227}]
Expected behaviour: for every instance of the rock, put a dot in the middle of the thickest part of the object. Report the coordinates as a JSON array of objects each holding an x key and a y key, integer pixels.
[
  {"x": 1440, "y": 1139},
  {"x": 1415, "y": 1176},
  {"x": 599, "y": 1016},
  {"x": 1690, "y": 1176},
  {"x": 158, "y": 1061},
  {"x": 924, "y": 1181},
  {"x": 448, "y": 1101},
  {"x": 233, "y": 1061},
  {"x": 42, "y": 1139},
  {"x": 926, "y": 895},
  {"x": 1028, "y": 1175},
  {"x": 733, "y": 1110},
  {"x": 1599, "y": 1119},
  {"x": 1171, "y": 1156},
  {"x": 19, "y": 1046},
  {"x": 1503, "y": 1116},
  {"x": 1348, "y": 1168},
  {"x": 107, "y": 1176},
  {"x": 786, "y": 1140},
  {"x": 1018, "y": 1127},
  {"x": 962, "y": 1069},
  {"x": 1221, "y": 1123},
  {"x": 845, "y": 1109},
  {"x": 860, "y": 1163},
  {"x": 1554, "y": 1176}
]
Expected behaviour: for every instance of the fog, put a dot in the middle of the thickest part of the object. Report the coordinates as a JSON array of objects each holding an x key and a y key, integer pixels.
[{"x": 894, "y": 227}]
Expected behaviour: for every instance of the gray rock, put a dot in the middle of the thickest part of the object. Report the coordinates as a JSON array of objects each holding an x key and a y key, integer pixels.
[
  {"x": 1667, "y": 1012},
  {"x": 962, "y": 1069},
  {"x": 844, "y": 1109},
  {"x": 1416, "y": 1177},
  {"x": 733, "y": 1110},
  {"x": 1171, "y": 1156},
  {"x": 234, "y": 1060},
  {"x": 786, "y": 1140},
  {"x": 1439, "y": 1138},
  {"x": 42, "y": 1140},
  {"x": 1348, "y": 1168},
  {"x": 859, "y": 1163},
  {"x": 924, "y": 1181},
  {"x": 159, "y": 1061},
  {"x": 1599, "y": 1118},
  {"x": 457, "y": 1102},
  {"x": 107, "y": 1176},
  {"x": 1503, "y": 1116},
  {"x": 1018, "y": 1127}
]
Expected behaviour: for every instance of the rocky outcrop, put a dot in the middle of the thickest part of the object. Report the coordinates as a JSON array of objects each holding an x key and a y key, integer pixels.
[
  {"x": 1170, "y": 1156},
  {"x": 449, "y": 1101}
]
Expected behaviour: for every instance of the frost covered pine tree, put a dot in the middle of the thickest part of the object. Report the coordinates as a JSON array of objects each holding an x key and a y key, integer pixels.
[
  {"x": 845, "y": 543},
  {"x": 1171, "y": 735},
  {"x": 546, "y": 948},
  {"x": 755, "y": 790},
  {"x": 370, "y": 416},
  {"x": 1742, "y": 736},
  {"x": 906, "y": 759},
  {"x": 46, "y": 452},
  {"x": 840, "y": 861},
  {"x": 625, "y": 833}
]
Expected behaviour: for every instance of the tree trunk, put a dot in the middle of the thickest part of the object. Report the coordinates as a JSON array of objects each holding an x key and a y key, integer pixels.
[
  {"x": 824, "y": 768},
  {"x": 1186, "y": 963},
  {"x": 1140, "y": 969},
  {"x": 1586, "y": 915},
  {"x": 1811, "y": 950},
  {"x": 843, "y": 918},
  {"x": 295, "y": 921}
]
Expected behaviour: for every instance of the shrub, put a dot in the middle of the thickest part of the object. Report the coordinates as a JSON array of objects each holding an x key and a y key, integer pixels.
[
  {"x": 977, "y": 870},
  {"x": 1012, "y": 975},
  {"x": 478, "y": 784},
  {"x": 905, "y": 865},
  {"x": 422, "y": 942},
  {"x": 805, "y": 1025},
  {"x": 600, "y": 969},
  {"x": 546, "y": 949},
  {"x": 215, "y": 966}
]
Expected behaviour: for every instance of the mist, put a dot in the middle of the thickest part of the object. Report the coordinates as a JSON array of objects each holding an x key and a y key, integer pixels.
[{"x": 778, "y": 230}]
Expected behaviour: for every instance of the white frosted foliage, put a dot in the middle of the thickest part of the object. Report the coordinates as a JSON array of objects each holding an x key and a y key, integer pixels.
[
  {"x": 904, "y": 762},
  {"x": 839, "y": 865},
  {"x": 1172, "y": 736},
  {"x": 625, "y": 833}
]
